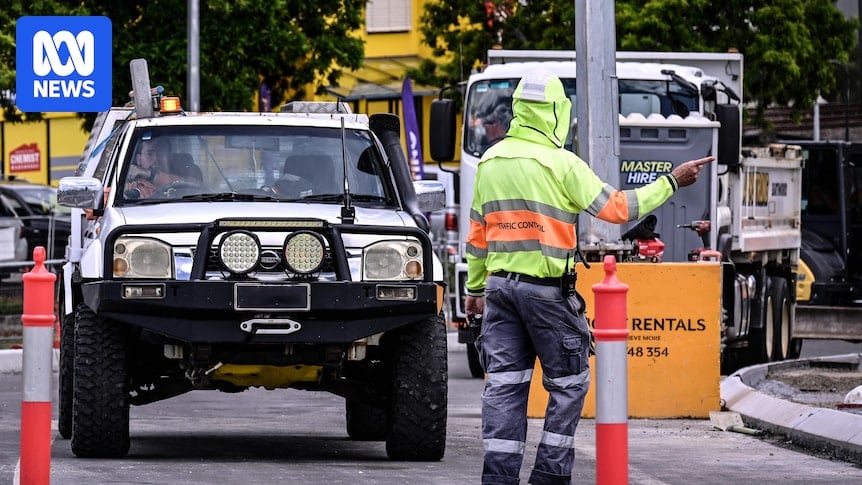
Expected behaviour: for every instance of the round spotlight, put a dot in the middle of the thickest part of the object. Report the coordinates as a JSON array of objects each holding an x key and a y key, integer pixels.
[
  {"x": 239, "y": 252},
  {"x": 304, "y": 252}
]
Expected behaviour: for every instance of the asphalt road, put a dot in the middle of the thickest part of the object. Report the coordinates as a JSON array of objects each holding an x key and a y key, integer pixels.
[
  {"x": 819, "y": 348},
  {"x": 262, "y": 437}
]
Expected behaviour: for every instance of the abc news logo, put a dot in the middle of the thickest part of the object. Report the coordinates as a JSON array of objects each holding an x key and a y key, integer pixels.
[
  {"x": 46, "y": 59},
  {"x": 64, "y": 64}
]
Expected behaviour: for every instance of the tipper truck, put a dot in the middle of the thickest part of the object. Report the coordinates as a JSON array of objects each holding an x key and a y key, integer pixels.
[{"x": 673, "y": 107}]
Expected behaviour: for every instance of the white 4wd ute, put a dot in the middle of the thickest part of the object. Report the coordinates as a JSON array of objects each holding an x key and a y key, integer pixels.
[{"x": 275, "y": 250}]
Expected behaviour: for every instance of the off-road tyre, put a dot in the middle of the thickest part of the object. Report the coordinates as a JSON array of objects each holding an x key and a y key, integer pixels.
[
  {"x": 418, "y": 404},
  {"x": 474, "y": 362},
  {"x": 100, "y": 398},
  {"x": 365, "y": 422},
  {"x": 66, "y": 373}
]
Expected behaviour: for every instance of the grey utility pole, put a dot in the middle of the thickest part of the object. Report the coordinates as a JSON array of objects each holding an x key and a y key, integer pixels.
[
  {"x": 598, "y": 106},
  {"x": 193, "y": 74}
]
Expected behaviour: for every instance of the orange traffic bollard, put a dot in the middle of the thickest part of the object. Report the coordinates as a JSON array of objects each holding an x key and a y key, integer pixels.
[
  {"x": 38, "y": 319},
  {"x": 611, "y": 333}
]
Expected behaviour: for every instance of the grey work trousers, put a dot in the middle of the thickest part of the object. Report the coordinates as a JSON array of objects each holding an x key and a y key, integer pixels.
[{"x": 522, "y": 321}]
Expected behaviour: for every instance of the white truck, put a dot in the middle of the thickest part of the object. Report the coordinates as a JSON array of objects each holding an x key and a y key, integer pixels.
[
  {"x": 283, "y": 250},
  {"x": 673, "y": 107}
]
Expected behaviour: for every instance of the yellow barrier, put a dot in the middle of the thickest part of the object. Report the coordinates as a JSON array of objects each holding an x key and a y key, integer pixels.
[{"x": 674, "y": 312}]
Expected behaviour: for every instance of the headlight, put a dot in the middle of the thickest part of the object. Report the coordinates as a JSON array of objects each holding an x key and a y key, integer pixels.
[
  {"x": 142, "y": 258},
  {"x": 392, "y": 260},
  {"x": 303, "y": 252},
  {"x": 239, "y": 252}
]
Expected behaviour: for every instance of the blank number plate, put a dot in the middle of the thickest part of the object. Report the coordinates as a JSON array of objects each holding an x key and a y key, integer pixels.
[{"x": 253, "y": 296}]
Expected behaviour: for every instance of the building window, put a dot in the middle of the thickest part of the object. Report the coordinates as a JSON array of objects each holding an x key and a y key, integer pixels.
[{"x": 388, "y": 16}]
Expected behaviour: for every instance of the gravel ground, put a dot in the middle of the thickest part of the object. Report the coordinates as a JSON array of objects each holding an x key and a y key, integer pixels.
[{"x": 815, "y": 385}]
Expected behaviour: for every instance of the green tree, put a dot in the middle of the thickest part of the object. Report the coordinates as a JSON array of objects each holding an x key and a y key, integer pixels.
[
  {"x": 461, "y": 31},
  {"x": 285, "y": 44},
  {"x": 458, "y": 32},
  {"x": 786, "y": 53}
]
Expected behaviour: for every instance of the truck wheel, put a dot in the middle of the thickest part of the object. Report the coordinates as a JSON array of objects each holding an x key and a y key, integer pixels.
[
  {"x": 100, "y": 398},
  {"x": 365, "y": 422},
  {"x": 476, "y": 369},
  {"x": 66, "y": 371},
  {"x": 418, "y": 407},
  {"x": 781, "y": 318},
  {"x": 795, "y": 348},
  {"x": 761, "y": 341}
]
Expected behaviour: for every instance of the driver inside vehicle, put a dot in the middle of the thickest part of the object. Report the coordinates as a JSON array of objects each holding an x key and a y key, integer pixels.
[{"x": 149, "y": 171}]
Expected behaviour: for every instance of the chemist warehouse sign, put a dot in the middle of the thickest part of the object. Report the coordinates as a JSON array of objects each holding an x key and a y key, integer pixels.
[{"x": 63, "y": 64}]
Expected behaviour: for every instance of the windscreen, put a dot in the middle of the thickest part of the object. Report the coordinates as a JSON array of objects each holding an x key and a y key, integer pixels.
[
  {"x": 206, "y": 163},
  {"x": 489, "y": 106}
]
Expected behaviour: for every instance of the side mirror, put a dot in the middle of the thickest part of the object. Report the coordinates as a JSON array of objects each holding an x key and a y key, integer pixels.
[
  {"x": 442, "y": 132},
  {"x": 430, "y": 195},
  {"x": 729, "y": 149},
  {"x": 80, "y": 192}
]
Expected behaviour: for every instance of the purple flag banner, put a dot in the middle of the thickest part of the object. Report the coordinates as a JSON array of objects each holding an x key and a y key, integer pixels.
[
  {"x": 411, "y": 131},
  {"x": 264, "y": 102}
]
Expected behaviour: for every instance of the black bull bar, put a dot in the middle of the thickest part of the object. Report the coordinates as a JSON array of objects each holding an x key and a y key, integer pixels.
[{"x": 202, "y": 310}]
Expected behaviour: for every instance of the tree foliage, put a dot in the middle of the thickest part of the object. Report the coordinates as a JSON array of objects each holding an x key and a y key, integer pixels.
[
  {"x": 787, "y": 55},
  {"x": 285, "y": 44},
  {"x": 461, "y": 32}
]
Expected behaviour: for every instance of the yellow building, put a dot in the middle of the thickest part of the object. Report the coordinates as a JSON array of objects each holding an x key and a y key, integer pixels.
[
  {"x": 42, "y": 152},
  {"x": 393, "y": 44}
]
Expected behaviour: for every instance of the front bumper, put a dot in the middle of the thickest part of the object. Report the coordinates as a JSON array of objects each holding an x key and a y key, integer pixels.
[
  {"x": 204, "y": 310},
  {"x": 210, "y": 312}
]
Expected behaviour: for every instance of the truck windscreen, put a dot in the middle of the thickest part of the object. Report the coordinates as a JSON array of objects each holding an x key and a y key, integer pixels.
[{"x": 489, "y": 106}]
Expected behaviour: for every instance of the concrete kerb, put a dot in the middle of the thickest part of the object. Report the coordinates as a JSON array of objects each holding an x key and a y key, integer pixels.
[{"x": 821, "y": 429}]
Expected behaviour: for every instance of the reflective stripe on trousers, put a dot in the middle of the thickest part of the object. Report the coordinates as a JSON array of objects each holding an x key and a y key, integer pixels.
[{"x": 521, "y": 321}]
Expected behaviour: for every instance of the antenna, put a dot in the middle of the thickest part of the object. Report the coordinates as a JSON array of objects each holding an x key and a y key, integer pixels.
[{"x": 348, "y": 213}]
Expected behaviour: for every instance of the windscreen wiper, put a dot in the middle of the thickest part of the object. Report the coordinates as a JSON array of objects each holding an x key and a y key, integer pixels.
[
  {"x": 323, "y": 198},
  {"x": 340, "y": 197},
  {"x": 227, "y": 197}
]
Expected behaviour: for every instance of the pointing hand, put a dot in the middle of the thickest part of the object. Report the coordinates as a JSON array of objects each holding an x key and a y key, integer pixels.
[{"x": 686, "y": 174}]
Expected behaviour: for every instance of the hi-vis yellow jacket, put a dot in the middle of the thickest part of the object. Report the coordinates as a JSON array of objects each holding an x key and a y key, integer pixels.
[{"x": 529, "y": 190}]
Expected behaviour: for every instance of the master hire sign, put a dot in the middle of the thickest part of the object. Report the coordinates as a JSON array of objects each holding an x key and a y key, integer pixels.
[{"x": 673, "y": 360}]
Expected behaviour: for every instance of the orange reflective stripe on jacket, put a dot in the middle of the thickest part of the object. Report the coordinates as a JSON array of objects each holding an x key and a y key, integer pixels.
[{"x": 518, "y": 225}]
